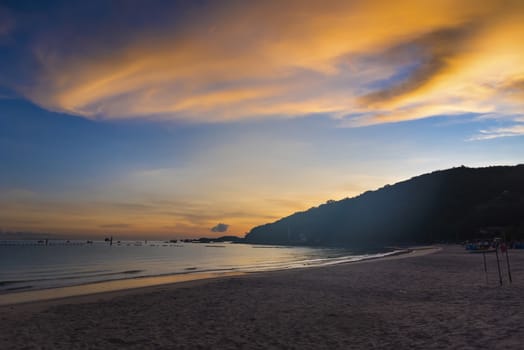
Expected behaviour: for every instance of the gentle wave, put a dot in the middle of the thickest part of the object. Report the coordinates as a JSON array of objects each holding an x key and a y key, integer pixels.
[
  {"x": 63, "y": 265},
  {"x": 80, "y": 276}
]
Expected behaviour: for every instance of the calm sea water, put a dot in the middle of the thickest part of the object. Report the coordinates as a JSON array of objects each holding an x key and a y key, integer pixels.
[{"x": 28, "y": 265}]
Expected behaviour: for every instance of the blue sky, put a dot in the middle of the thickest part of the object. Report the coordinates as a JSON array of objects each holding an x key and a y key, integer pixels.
[{"x": 112, "y": 122}]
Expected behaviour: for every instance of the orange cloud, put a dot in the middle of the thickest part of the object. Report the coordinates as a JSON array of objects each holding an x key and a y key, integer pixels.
[{"x": 294, "y": 58}]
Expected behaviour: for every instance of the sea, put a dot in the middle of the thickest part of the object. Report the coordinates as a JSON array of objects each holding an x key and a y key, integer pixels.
[{"x": 27, "y": 265}]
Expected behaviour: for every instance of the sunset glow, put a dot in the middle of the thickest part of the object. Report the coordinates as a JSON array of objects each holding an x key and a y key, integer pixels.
[{"x": 162, "y": 119}]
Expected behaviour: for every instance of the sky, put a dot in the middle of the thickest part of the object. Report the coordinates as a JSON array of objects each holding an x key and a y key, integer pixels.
[{"x": 171, "y": 119}]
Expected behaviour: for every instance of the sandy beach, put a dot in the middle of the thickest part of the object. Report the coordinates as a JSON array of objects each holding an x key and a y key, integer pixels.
[{"x": 429, "y": 299}]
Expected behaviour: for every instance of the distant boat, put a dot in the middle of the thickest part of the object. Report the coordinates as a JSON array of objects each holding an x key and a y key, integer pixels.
[{"x": 481, "y": 247}]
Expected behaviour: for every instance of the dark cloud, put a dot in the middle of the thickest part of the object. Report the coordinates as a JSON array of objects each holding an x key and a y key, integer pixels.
[
  {"x": 220, "y": 228},
  {"x": 431, "y": 52},
  {"x": 514, "y": 88}
]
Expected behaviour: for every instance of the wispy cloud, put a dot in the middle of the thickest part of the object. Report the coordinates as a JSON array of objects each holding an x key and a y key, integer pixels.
[
  {"x": 116, "y": 226},
  {"x": 246, "y": 179},
  {"x": 382, "y": 61},
  {"x": 515, "y": 130}
]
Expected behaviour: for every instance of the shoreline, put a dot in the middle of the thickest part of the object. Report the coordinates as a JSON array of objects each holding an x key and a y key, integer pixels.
[{"x": 115, "y": 288}]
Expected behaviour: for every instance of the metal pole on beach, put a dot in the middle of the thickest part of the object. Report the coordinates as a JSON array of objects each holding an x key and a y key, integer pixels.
[
  {"x": 506, "y": 248},
  {"x": 509, "y": 267},
  {"x": 485, "y": 266},
  {"x": 498, "y": 262}
]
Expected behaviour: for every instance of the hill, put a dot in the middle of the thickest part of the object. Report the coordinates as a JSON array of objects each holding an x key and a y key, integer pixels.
[{"x": 448, "y": 205}]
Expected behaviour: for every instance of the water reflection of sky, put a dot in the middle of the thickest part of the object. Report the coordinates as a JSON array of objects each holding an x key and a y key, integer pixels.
[{"x": 36, "y": 266}]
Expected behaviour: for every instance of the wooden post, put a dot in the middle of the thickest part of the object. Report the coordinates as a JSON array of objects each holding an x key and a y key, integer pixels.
[
  {"x": 498, "y": 262},
  {"x": 509, "y": 267},
  {"x": 485, "y": 266},
  {"x": 506, "y": 246}
]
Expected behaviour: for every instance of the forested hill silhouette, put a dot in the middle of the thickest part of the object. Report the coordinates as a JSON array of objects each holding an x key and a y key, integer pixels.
[{"x": 448, "y": 205}]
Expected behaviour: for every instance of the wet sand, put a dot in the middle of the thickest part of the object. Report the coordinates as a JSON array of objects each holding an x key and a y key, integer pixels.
[{"x": 423, "y": 300}]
